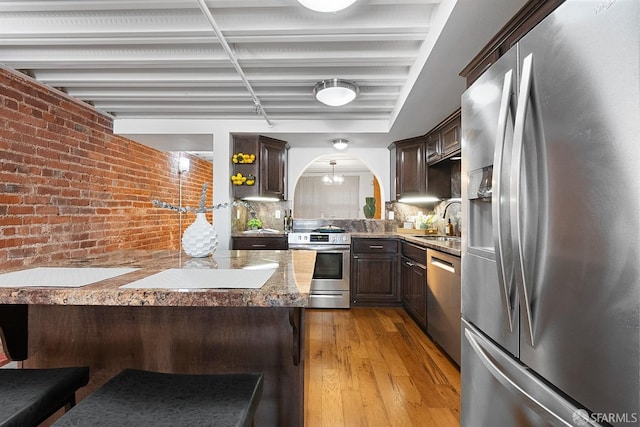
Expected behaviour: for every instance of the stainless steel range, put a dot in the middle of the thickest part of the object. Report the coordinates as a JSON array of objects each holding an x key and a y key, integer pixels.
[{"x": 330, "y": 284}]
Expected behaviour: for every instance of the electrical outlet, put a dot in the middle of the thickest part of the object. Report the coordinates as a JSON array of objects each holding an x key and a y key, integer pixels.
[
  {"x": 277, "y": 213},
  {"x": 391, "y": 214}
]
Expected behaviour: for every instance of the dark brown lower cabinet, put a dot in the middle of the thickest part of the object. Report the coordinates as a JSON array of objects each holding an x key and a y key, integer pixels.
[
  {"x": 374, "y": 273},
  {"x": 413, "y": 277},
  {"x": 260, "y": 243}
]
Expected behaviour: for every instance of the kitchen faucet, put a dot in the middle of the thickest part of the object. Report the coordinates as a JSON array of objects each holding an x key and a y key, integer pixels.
[{"x": 444, "y": 213}]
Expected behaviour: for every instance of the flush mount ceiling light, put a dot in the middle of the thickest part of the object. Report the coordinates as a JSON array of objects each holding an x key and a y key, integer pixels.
[
  {"x": 332, "y": 179},
  {"x": 326, "y": 5},
  {"x": 340, "y": 143},
  {"x": 335, "y": 92}
]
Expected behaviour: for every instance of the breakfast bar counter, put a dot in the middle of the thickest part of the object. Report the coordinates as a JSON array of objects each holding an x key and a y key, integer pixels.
[{"x": 234, "y": 312}]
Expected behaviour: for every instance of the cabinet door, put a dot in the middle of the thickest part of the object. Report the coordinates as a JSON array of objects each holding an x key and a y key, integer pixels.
[
  {"x": 433, "y": 147},
  {"x": 374, "y": 280},
  {"x": 411, "y": 167},
  {"x": 413, "y": 274},
  {"x": 419, "y": 294},
  {"x": 405, "y": 277},
  {"x": 272, "y": 164},
  {"x": 451, "y": 136}
]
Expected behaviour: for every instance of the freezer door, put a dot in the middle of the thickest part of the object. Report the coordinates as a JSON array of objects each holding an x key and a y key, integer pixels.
[
  {"x": 499, "y": 391},
  {"x": 578, "y": 204},
  {"x": 489, "y": 298}
]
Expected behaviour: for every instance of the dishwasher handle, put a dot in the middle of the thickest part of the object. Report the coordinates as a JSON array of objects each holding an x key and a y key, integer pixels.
[{"x": 443, "y": 264}]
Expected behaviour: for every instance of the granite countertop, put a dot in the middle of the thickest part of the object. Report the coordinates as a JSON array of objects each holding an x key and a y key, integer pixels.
[
  {"x": 288, "y": 286},
  {"x": 451, "y": 247},
  {"x": 260, "y": 233}
]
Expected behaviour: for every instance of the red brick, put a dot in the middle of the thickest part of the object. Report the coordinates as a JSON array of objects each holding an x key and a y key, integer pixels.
[
  {"x": 72, "y": 188},
  {"x": 20, "y": 210},
  {"x": 9, "y": 199}
]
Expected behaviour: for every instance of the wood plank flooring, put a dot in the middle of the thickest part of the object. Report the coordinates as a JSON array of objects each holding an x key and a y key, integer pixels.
[{"x": 374, "y": 367}]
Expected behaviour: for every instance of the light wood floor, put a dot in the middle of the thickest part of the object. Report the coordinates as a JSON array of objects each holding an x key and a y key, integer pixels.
[{"x": 374, "y": 367}]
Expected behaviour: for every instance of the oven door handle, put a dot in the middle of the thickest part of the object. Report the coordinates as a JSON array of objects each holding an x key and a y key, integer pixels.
[
  {"x": 323, "y": 248},
  {"x": 319, "y": 294}
]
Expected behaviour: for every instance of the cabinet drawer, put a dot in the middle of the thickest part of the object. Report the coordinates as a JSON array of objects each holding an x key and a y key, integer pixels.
[
  {"x": 414, "y": 253},
  {"x": 374, "y": 245},
  {"x": 258, "y": 243}
]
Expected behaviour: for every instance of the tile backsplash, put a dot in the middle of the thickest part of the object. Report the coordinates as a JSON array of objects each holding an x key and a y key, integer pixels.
[{"x": 402, "y": 213}]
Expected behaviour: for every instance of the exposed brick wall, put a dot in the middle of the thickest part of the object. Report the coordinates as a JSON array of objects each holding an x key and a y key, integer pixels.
[{"x": 69, "y": 187}]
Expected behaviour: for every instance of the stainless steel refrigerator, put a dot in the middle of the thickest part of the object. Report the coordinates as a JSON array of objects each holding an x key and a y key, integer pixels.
[{"x": 551, "y": 194}]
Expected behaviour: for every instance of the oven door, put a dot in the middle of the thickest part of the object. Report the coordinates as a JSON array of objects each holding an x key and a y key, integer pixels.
[
  {"x": 331, "y": 270},
  {"x": 330, "y": 283}
]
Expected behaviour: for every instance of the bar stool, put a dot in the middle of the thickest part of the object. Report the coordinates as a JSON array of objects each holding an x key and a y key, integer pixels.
[
  {"x": 152, "y": 399},
  {"x": 30, "y": 396}
]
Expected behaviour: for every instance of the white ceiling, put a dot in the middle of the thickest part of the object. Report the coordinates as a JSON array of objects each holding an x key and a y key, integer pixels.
[{"x": 141, "y": 60}]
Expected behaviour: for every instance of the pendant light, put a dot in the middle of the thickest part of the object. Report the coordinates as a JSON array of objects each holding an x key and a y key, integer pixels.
[
  {"x": 326, "y": 5},
  {"x": 335, "y": 92},
  {"x": 332, "y": 179}
]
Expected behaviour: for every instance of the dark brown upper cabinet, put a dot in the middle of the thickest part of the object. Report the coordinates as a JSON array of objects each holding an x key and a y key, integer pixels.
[
  {"x": 444, "y": 140},
  {"x": 532, "y": 13},
  {"x": 411, "y": 167},
  {"x": 262, "y": 164},
  {"x": 418, "y": 164}
]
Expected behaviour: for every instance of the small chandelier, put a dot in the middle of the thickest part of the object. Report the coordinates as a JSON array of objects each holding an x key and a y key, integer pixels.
[
  {"x": 332, "y": 179},
  {"x": 326, "y": 5},
  {"x": 335, "y": 92}
]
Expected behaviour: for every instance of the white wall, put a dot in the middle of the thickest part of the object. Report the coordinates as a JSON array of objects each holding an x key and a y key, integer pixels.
[
  {"x": 315, "y": 200},
  {"x": 376, "y": 159}
]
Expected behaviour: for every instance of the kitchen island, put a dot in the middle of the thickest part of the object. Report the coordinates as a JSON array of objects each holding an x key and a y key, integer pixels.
[{"x": 173, "y": 328}]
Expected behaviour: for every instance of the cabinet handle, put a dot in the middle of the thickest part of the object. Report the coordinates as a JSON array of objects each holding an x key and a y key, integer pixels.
[
  {"x": 258, "y": 246},
  {"x": 376, "y": 247}
]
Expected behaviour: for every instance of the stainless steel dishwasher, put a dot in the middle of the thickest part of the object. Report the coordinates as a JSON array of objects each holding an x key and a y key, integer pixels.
[{"x": 443, "y": 301}]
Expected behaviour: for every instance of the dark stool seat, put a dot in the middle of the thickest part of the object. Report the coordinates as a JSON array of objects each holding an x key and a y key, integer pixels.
[
  {"x": 30, "y": 396},
  {"x": 142, "y": 398}
]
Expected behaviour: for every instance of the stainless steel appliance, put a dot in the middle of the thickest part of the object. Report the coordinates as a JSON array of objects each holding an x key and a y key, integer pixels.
[
  {"x": 443, "y": 301},
  {"x": 330, "y": 284},
  {"x": 551, "y": 193}
]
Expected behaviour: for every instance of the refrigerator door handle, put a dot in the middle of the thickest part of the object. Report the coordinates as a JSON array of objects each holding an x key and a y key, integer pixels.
[
  {"x": 519, "y": 381},
  {"x": 515, "y": 184},
  {"x": 498, "y": 161}
]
